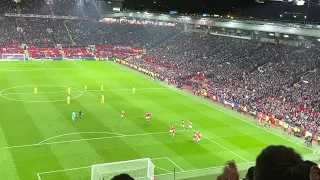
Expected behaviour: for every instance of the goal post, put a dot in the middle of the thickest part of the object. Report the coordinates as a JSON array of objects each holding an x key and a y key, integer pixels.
[
  {"x": 13, "y": 57},
  {"x": 139, "y": 169}
]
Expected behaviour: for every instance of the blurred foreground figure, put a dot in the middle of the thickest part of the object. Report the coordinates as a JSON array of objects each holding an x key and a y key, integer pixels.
[
  {"x": 279, "y": 163},
  {"x": 122, "y": 177}
]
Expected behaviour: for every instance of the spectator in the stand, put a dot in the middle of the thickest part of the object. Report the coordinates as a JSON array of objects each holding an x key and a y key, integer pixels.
[
  {"x": 250, "y": 174},
  {"x": 122, "y": 177},
  {"x": 279, "y": 163}
]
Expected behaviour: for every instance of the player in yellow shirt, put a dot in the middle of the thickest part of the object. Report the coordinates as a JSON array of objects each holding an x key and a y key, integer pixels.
[
  {"x": 133, "y": 90},
  {"x": 102, "y": 87},
  {"x": 68, "y": 100},
  {"x": 35, "y": 90},
  {"x": 69, "y": 91},
  {"x": 85, "y": 88},
  {"x": 102, "y": 99},
  {"x": 267, "y": 122}
]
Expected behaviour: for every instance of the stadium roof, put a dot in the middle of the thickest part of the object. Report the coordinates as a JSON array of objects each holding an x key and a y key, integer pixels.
[{"x": 235, "y": 24}]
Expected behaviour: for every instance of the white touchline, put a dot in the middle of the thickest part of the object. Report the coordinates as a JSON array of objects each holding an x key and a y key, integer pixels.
[
  {"x": 80, "y": 133},
  {"x": 205, "y": 103},
  {"x": 86, "y": 139},
  {"x": 175, "y": 164}
]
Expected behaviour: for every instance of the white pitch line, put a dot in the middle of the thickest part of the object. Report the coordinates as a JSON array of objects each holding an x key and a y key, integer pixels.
[
  {"x": 192, "y": 170},
  {"x": 32, "y": 69},
  {"x": 77, "y": 64},
  {"x": 53, "y": 92},
  {"x": 63, "y": 170},
  {"x": 84, "y": 167},
  {"x": 80, "y": 133},
  {"x": 126, "y": 89},
  {"x": 86, "y": 139},
  {"x": 205, "y": 103},
  {"x": 226, "y": 149},
  {"x": 159, "y": 158},
  {"x": 163, "y": 169},
  {"x": 175, "y": 164},
  {"x": 39, "y": 178},
  {"x": 40, "y": 92},
  {"x": 202, "y": 169}
]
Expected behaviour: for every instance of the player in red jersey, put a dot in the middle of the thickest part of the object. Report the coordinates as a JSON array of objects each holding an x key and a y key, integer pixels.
[
  {"x": 122, "y": 114},
  {"x": 195, "y": 137},
  {"x": 171, "y": 128},
  {"x": 148, "y": 116},
  {"x": 182, "y": 124},
  {"x": 173, "y": 132},
  {"x": 198, "y": 137},
  {"x": 190, "y": 125}
]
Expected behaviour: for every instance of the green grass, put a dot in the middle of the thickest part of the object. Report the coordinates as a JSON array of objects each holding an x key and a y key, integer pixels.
[{"x": 101, "y": 136}]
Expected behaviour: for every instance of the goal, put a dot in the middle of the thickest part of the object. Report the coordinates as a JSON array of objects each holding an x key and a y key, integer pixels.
[
  {"x": 13, "y": 57},
  {"x": 139, "y": 169}
]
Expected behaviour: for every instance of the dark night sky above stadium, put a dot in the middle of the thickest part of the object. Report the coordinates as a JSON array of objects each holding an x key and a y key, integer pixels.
[
  {"x": 191, "y": 6},
  {"x": 241, "y": 8}
]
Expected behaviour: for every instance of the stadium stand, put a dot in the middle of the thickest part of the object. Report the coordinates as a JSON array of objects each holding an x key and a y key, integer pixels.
[{"x": 276, "y": 80}]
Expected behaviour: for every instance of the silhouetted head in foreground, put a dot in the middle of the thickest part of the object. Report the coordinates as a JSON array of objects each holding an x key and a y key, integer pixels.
[
  {"x": 122, "y": 177},
  {"x": 279, "y": 163},
  {"x": 249, "y": 175}
]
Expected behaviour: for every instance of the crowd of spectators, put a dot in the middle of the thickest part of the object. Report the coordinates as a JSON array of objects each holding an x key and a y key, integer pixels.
[
  {"x": 47, "y": 32},
  {"x": 78, "y": 8}
]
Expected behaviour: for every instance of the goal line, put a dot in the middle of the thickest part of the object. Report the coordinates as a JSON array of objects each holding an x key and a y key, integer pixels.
[{"x": 41, "y": 175}]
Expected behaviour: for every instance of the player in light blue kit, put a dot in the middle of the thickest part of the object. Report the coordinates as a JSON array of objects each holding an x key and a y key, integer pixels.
[{"x": 73, "y": 116}]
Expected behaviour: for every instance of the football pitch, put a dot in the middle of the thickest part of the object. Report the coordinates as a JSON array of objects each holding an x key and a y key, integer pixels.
[{"x": 39, "y": 140}]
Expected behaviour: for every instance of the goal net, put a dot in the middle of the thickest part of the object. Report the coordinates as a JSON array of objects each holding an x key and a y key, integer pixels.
[
  {"x": 13, "y": 57},
  {"x": 139, "y": 169}
]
